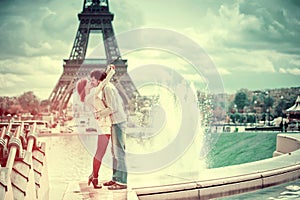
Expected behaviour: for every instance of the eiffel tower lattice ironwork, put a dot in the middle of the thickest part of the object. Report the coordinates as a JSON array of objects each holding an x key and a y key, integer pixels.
[{"x": 95, "y": 16}]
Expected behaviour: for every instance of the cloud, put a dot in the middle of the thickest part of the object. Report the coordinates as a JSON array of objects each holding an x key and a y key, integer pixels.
[
  {"x": 128, "y": 15},
  {"x": 149, "y": 56},
  {"x": 241, "y": 37},
  {"x": 38, "y": 74},
  {"x": 224, "y": 71},
  {"x": 37, "y": 65},
  {"x": 295, "y": 62},
  {"x": 294, "y": 71},
  {"x": 251, "y": 25},
  {"x": 15, "y": 85},
  {"x": 250, "y": 37},
  {"x": 10, "y": 81},
  {"x": 27, "y": 33},
  {"x": 278, "y": 21}
]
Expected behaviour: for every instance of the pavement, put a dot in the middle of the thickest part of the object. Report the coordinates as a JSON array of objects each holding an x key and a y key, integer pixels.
[{"x": 81, "y": 190}]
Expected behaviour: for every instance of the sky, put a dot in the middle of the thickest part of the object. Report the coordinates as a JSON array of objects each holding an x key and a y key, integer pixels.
[{"x": 251, "y": 44}]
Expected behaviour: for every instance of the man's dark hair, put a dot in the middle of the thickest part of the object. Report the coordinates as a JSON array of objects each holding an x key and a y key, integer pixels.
[{"x": 98, "y": 74}]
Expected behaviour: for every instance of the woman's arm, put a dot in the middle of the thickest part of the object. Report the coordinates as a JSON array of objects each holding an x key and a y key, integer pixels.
[{"x": 110, "y": 72}]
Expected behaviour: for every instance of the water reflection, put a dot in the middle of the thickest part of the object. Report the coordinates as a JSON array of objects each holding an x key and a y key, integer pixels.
[{"x": 67, "y": 161}]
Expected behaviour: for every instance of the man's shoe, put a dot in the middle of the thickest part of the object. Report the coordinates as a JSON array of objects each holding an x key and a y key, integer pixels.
[
  {"x": 109, "y": 183},
  {"x": 117, "y": 186}
]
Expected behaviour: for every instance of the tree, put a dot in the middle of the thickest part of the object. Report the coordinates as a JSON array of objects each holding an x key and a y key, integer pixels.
[
  {"x": 279, "y": 108},
  {"x": 3, "y": 106},
  {"x": 45, "y": 106},
  {"x": 29, "y": 102},
  {"x": 241, "y": 100},
  {"x": 269, "y": 101},
  {"x": 15, "y": 109}
]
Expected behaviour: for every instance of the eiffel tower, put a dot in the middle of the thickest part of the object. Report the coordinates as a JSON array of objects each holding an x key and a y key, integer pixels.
[{"x": 96, "y": 17}]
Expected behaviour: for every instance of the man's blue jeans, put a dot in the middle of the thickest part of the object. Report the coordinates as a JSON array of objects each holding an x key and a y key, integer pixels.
[{"x": 118, "y": 152}]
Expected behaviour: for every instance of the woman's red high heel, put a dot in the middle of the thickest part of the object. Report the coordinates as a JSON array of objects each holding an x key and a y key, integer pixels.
[{"x": 94, "y": 181}]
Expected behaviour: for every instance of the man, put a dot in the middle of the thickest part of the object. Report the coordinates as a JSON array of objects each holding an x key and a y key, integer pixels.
[{"x": 114, "y": 109}]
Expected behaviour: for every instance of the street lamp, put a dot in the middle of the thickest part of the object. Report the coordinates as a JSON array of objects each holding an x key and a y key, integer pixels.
[
  {"x": 268, "y": 116},
  {"x": 235, "y": 109},
  {"x": 255, "y": 102}
]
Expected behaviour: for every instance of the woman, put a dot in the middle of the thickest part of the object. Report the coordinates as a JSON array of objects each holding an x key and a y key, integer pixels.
[{"x": 92, "y": 97}]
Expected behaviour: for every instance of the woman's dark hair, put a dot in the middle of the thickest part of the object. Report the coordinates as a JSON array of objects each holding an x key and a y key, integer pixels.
[
  {"x": 81, "y": 83},
  {"x": 98, "y": 74}
]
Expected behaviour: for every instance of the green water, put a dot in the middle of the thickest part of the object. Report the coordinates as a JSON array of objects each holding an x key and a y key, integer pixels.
[
  {"x": 238, "y": 148},
  {"x": 286, "y": 191}
]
